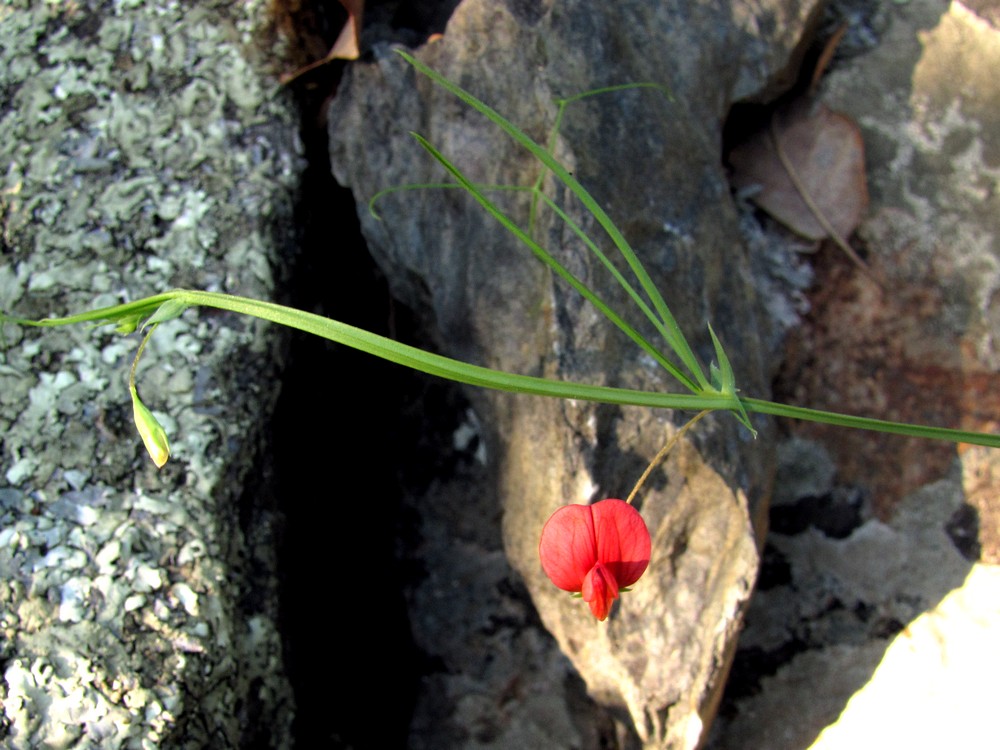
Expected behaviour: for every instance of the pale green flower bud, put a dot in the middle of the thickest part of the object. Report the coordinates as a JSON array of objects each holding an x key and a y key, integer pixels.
[{"x": 154, "y": 437}]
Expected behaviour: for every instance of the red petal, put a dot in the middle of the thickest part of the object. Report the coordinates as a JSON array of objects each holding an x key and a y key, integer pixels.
[
  {"x": 623, "y": 543},
  {"x": 567, "y": 548},
  {"x": 600, "y": 591}
]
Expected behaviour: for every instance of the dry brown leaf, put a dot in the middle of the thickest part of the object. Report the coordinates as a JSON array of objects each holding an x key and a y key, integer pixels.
[
  {"x": 826, "y": 152},
  {"x": 825, "y": 56},
  {"x": 348, "y": 44}
]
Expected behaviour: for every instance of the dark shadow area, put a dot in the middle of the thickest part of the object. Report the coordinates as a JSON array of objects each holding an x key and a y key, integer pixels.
[
  {"x": 353, "y": 435},
  {"x": 343, "y": 614},
  {"x": 341, "y": 420},
  {"x": 342, "y": 611},
  {"x": 407, "y": 21},
  {"x": 343, "y": 617},
  {"x": 309, "y": 28}
]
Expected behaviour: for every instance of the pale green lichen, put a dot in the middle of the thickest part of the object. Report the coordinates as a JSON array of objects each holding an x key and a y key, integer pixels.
[{"x": 141, "y": 151}]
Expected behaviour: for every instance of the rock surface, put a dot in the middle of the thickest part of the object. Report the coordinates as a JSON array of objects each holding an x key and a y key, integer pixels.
[
  {"x": 654, "y": 164},
  {"x": 932, "y": 235},
  {"x": 876, "y": 618},
  {"x": 839, "y": 630},
  {"x": 142, "y": 150}
]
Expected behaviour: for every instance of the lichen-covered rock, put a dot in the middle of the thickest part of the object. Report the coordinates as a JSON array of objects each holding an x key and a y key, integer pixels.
[
  {"x": 654, "y": 164},
  {"x": 142, "y": 150}
]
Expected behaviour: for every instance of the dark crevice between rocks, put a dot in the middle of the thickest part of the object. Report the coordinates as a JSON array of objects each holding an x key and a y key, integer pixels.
[
  {"x": 835, "y": 514},
  {"x": 751, "y": 666},
  {"x": 310, "y": 28},
  {"x": 343, "y": 616},
  {"x": 350, "y": 433},
  {"x": 963, "y": 529}
]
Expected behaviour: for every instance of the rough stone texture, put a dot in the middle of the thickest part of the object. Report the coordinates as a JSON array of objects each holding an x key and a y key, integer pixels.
[
  {"x": 654, "y": 164},
  {"x": 932, "y": 233},
  {"x": 493, "y": 677},
  {"x": 942, "y": 669},
  {"x": 142, "y": 150},
  {"x": 879, "y": 578},
  {"x": 839, "y": 612}
]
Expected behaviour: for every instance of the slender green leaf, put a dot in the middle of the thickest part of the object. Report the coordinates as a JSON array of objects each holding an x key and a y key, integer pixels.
[
  {"x": 546, "y": 257},
  {"x": 725, "y": 380},
  {"x": 675, "y": 338}
]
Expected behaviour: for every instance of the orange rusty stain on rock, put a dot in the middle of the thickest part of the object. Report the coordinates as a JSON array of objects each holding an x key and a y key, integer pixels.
[{"x": 886, "y": 355}]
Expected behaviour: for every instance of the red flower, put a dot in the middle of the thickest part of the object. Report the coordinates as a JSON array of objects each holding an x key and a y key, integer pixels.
[{"x": 595, "y": 550}]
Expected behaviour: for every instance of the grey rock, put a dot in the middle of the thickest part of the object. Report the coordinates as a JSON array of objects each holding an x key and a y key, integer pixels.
[
  {"x": 941, "y": 668},
  {"x": 143, "y": 149},
  {"x": 931, "y": 235},
  {"x": 880, "y": 638},
  {"x": 658, "y": 664},
  {"x": 846, "y": 605}
]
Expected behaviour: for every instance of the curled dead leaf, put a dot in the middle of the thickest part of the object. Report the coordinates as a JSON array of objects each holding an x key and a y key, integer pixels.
[
  {"x": 347, "y": 46},
  {"x": 826, "y": 152}
]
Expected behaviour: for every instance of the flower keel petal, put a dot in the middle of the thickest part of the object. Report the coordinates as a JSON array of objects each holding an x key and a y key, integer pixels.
[{"x": 600, "y": 591}]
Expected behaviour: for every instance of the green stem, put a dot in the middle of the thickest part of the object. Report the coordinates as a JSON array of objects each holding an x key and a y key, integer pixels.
[
  {"x": 394, "y": 351},
  {"x": 451, "y": 369},
  {"x": 867, "y": 423},
  {"x": 135, "y": 361}
]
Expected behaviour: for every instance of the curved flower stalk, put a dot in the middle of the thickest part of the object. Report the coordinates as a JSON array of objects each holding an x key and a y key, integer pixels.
[{"x": 595, "y": 550}]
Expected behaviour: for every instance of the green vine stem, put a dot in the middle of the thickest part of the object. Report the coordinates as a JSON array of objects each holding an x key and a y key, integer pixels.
[{"x": 128, "y": 316}]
